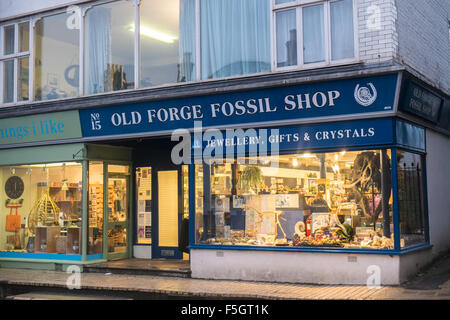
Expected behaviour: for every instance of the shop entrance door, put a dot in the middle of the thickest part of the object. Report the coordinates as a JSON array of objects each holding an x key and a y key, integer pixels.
[
  {"x": 117, "y": 223},
  {"x": 168, "y": 216}
]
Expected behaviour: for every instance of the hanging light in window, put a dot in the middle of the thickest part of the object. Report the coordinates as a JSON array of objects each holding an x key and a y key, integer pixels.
[{"x": 295, "y": 162}]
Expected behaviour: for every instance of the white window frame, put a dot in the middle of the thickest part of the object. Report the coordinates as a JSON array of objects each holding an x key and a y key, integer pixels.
[
  {"x": 298, "y": 5},
  {"x": 15, "y": 56}
]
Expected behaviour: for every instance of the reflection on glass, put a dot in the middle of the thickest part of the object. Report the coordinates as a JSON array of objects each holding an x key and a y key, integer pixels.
[
  {"x": 411, "y": 202},
  {"x": 109, "y": 41},
  {"x": 24, "y": 36},
  {"x": 313, "y": 34},
  {"x": 22, "y": 79},
  {"x": 339, "y": 199},
  {"x": 117, "y": 239},
  {"x": 8, "y": 44},
  {"x": 95, "y": 208},
  {"x": 117, "y": 199},
  {"x": 342, "y": 44},
  {"x": 286, "y": 38},
  {"x": 235, "y": 37},
  {"x": 43, "y": 208},
  {"x": 144, "y": 204},
  {"x": 56, "y": 58},
  {"x": 8, "y": 81},
  {"x": 159, "y": 28}
]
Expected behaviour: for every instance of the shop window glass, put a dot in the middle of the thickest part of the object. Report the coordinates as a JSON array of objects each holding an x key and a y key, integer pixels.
[
  {"x": 114, "y": 168},
  {"x": 235, "y": 37},
  {"x": 43, "y": 208},
  {"x": 109, "y": 47},
  {"x": 95, "y": 208},
  {"x": 56, "y": 63},
  {"x": 339, "y": 199},
  {"x": 167, "y": 38},
  {"x": 411, "y": 202},
  {"x": 199, "y": 206},
  {"x": 144, "y": 205}
]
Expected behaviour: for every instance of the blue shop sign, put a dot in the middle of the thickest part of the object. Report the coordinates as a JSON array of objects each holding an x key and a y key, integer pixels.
[
  {"x": 370, "y": 133},
  {"x": 356, "y": 96}
]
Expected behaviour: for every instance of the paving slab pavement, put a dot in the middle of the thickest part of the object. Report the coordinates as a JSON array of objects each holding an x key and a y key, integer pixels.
[{"x": 431, "y": 285}]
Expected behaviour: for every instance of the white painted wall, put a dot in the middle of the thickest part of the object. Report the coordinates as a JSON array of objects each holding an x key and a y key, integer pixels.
[
  {"x": 293, "y": 267},
  {"x": 438, "y": 185},
  {"x": 142, "y": 252}
]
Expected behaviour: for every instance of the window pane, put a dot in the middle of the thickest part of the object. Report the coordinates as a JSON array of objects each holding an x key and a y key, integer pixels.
[
  {"x": 45, "y": 200},
  {"x": 8, "y": 81},
  {"x": 339, "y": 199},
  {"x": 8, "y": 45},
  {"x": 95, "y": 208},
  {"x": 109, "y": 53},
  {"x": 188, "y": 51},
  {"x": 342, "y": 44},
  {"x": 411, "y": 203},
  {"x": 286, "y": 38},
  {"x": 159, "y": 25},
  {"x": 144, "y": 205},
  {"x": 22, "y": 79},
  {"x": 235, "y": 37},
  {"x": 313, "y": 34},
  {"x": 56, "y": 58},
  {"x": 24, "y": 36}
]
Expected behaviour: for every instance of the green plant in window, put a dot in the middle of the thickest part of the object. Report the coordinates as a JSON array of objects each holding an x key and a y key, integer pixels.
[{"x": 250, "y": 179}]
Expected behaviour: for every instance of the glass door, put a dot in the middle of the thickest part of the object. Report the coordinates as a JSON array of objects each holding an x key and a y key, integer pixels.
[{"x": 117, "y": 224}]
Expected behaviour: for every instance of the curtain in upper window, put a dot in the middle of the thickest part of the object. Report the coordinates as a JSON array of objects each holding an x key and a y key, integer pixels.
[
  {"x": 109, "y": 41},
  {"x": 342, "y": 44},
  {"x": 235, "y": 37},
  {"x": 313, "y": 34},
  {"x": 187, "y": 48}
]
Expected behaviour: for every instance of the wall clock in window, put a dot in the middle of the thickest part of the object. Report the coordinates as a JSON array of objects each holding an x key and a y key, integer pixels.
[{"x": 14, "y": 187}]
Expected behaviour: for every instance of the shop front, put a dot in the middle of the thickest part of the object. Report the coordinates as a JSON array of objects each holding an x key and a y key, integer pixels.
[{"x": 315, "y": 182}]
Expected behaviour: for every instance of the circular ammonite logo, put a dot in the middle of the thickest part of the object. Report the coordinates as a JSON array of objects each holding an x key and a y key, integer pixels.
[{"x": 366, "y": 96}]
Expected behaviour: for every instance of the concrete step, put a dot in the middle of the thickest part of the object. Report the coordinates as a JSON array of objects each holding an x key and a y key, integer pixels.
[{"x": 157, "y": 272}]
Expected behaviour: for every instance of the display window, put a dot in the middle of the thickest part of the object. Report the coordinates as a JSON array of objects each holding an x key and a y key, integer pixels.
[
  {"x": 42, "y": 209},
  {"x": 411, "y": 202},
  {"x": 336, "y": 199}
]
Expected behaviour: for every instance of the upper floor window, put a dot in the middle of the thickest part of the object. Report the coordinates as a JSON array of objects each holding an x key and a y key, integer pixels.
[
  {"x": 309, "y": 33},
  {"x": 100, "y": 47},
  {"x": 15, "y": 61},
  {"x": 56, "y": 57}
]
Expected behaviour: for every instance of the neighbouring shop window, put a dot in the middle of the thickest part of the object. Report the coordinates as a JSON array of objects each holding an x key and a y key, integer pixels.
[
  {"x": 411, "y": 202},
  {"x": 43, "y": 208},
  {"x": 14, "y": 62},
  {"x": 339, "y": 199},
  {"x": 109, "y": 47},
  {"x": 96, "y": 207},
  {"x": 311, "y": 44},
  {"x": 235, "y": 37},
  {"x": 144, "y": 204},
  {"x": 56, "y": 58}
]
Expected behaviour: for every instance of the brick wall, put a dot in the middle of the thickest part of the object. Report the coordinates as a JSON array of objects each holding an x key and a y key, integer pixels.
[
  {"x": 424, "y": 40},
  {"x": 378, "y": 40},
  {"x": 414, "y": 33}
]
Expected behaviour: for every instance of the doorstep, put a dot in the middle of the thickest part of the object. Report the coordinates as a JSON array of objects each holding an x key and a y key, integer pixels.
[{"x": 150, "y": 267}]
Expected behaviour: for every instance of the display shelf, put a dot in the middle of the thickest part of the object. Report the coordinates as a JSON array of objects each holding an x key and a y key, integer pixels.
[
  {"x": 45, "y": 240},
  {"x": 73, "y": 240}
]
